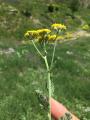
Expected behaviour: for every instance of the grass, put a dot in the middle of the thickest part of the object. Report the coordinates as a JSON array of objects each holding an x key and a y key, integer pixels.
[
  {"x": 23, "y": 72},
  {"x": 13, "y": 21}
]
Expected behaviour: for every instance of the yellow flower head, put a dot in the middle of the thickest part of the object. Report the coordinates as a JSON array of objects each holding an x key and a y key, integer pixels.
[
  {"x": 51, "y": 37},
  {"x": 58, "y": 26},
  {"x": 54, "y": 37},
  {"x": 43, "y": 31},
  {"x": 32, "y": 34}
]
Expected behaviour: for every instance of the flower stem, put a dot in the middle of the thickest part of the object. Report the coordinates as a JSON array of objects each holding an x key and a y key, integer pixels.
[
  {"x": 53, "y": 55},
  {"x": 37, "y": 49},
  {"x": 54, "y": 49},
  {"x": 49, "y": 85}
]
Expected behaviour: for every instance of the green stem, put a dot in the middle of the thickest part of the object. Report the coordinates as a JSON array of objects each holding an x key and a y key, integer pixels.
[
  {"x": 45, "y": 48},
  {"x": 53, "y": 55},
  {"x": 55, "y": 44},
  {"x": 37, "y": 49},
  {"x": 49, "y": 85}
]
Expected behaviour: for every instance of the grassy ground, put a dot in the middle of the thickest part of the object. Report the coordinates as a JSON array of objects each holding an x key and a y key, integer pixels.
[
  {"x": 20, "y": 76},
  {"x": 14, "y": 20}
]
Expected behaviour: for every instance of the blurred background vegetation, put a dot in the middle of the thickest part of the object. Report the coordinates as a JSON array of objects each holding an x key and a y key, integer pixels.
[{"x": 22, "y": 71}]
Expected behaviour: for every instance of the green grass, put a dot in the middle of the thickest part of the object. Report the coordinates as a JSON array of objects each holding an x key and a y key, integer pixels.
[
  {"x": 14, "y": 24},
  {"x": 23, "y": 72}
]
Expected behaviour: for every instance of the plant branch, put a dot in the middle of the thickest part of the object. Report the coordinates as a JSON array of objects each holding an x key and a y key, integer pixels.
[
  {"x": 54, "y": 49},
  {"x": 37, "y": 49},
  {"x": 53, "y": 55},
  {"x": 45, "y": 48}
]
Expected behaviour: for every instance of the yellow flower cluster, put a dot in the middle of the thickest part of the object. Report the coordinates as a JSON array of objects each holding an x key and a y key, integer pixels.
[
  {"x": 36, "y": 33},
  {"x": 46, "y": 34},
  {"x": 58, "y": 26}
]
